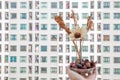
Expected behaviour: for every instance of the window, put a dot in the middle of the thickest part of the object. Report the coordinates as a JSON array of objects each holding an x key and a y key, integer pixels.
[
  {"x": 23, "y": 15},
  {"x": 13, "y": 69},
  {"x": 85, "y": 48},
  {"x": 23, "y": 59},
  {"x": 43, "y": 70},
  {"x": 117, "y": 4},
  {"x": 43, "y": 59},
  {"x": 23, "y": 37},
  {"x": 53, "y": 26},
  {"x": 53, "y": 4},
  {"x": 53, "y": 15},
  {"x": 116, "y": 48},
  {"x": 0, "y": 4},
  {"x": 84, "y": 4},
  {"x": 23, "y": 5},
  {"x": 44, "y": 37},
  {"x": 30, "y": 4},
  {"x": 116, "y": 15},
  {"x": 13, "y": 5},
  {"x": 13, "y": 37},
  {"x": 23, "y": 69},
  {"x": 106, "y": 15},
  {"x": 6, "y": 58},
  {"x": 54, "y": 48},
  {"x": 106, "y": 59},
  {"x": 43, "y": 26},
  {"x": 60, "y": 59},
  {"x": 99, "y": 4},
  {"x": 106, "y": 48},
  {"x": 53, "y": 37},
  {"x": 13, "y": 79},
  {"x": 116, "y": 59},
  {"x": 23, "y": 26},
  {"x": 106, "y": 26},
  {"x": 106, "y": 37},
  {"x": 92, "y": 4},
  {"x": 6, "y": 5},
  {"x": 53, "y": 69},
  {"x": 74, "y": 4},
  {"x": 91, "y": 48},
  {"x": 53, "y": 78},
  {"x": 13, "y": 48},
  {"x": 13, "y": 26},
  {"x": 106, "y": 70},
  {"x": 106, "y": 4},
  {"x": 13, "y": 59},
  {"x": 23, "y": 48},
  {"x": 116, "y": 26},
  {"x": 60, "y": 4},
  {"x": 60, "y": 37},
  {"x": 44, "y": 15},
  {"x": 13, "y": 15},
  {"x": 116, "y": 37},
  {"x": 60, "y": 48},
  {"x": 43, "y": 48},
  {"x": 84, "y": 15},
  {"x": 43, "y": 5},
  {"x": 73, "y": 49},
  {"x": 117, "y": 71},
  {"x": 53, "y": 59}
]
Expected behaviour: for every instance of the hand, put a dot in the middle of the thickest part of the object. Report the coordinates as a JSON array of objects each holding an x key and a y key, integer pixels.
[{"x": 75, "y": 76}]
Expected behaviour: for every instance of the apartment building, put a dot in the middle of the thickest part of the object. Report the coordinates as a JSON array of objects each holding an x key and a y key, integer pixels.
[{"x": 33, "y": 47}]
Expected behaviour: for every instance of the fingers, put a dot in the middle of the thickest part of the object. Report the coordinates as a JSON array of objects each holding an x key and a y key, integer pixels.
[{"x": 73, "y": 75}]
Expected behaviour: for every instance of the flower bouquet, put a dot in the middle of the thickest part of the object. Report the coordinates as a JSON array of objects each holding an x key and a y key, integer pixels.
[{"x": 83, "y": 67}]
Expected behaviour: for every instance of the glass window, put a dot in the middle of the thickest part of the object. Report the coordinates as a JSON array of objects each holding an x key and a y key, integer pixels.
[
  {"x": 13, "y": 69},
  {"x": 53, "y": 70},
  {"x": 43, "y": 70},
  {"x": 23, "y": 69},
  {"x": 13, "y": 5},
  {"x": 13, "y": 48},
  {"x": 92, "y": 4},
  {"x": 53, "y": 59},
  {"x": 116, "y": 37},
  {"x": 53, "y": 15},
  {"x": 44, "y": 15},
  {"x": 13, "y": 15},
  {"x": 60, "y": 4},
  {"x": 23, "y": 59},
  {"x": 106, "y": 26},
  {"x": 53, "y": 4},
  {"x": 43, "y": 78},
  {"x": 74, "y": 4},
  {"x": 99, "y": 4},
  {"x": 106, "y": 59},
  {"x": 0, "y": 4},
  {"x": 23, "y": 48},
  {"x": 44, "y": 37},
  {"x": 85, "y": 48},
  {"x": 74, "y": 59},
  {"x": 116, "y": 48},
  {"x": 43, "y": 48},
  {"x": 116, "y": 59},
  {"x": 106, "y": 70},
  {"x": 106, "y": 15},
  {"x": 106, "y": 4},
  {"x": 117, "y": 71},
  {"x": 13, "y": 79},
  {"x": 53, "y": 26},
  {"x": 6, "y": 58},
  {"x": 116, "y": 15},
  {"x": 53, "y": 37},
  {"x": 23, "y": 15},
  {"x": 23, "y": 26},
  {"x": 13, "y": 37},
  {"x": 117, "y": 4},
  {"x": 106, "y": 48},
  {"x": 43, "y": 26},
  {"x": 106, "y": 37},
  {"x": 53, "y": 78},
  {"x": 84, "y": 15},
  {"x": 43, "y": 59},
  {"x": 116, "y": 26},
  {"x": 43, "y": 5},
  {"x": 13, "y": 26},
  {"x": 84, "y": 4},
  {"x": 13, "y": 59},
  {"x": 23, "y": 5},
  {"x": 53, "y": 48},
  {"x": 23, "y": 37}
]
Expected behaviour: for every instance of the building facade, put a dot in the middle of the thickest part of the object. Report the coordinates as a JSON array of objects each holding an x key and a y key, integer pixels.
[{"x": 33, "y": 47}]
